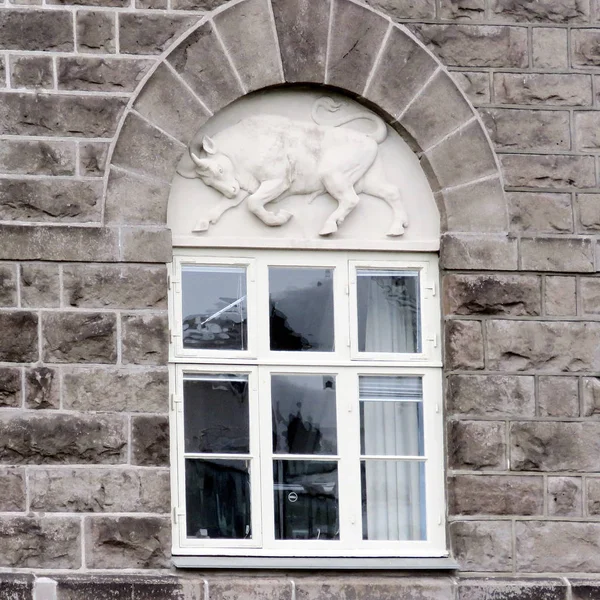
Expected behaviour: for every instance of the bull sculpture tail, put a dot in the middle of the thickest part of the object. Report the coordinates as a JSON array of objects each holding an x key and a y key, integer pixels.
[{"x": 331, "y": 106}]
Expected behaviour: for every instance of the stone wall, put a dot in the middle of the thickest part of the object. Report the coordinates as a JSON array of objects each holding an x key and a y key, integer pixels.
[{"x": 83, "y": 341}]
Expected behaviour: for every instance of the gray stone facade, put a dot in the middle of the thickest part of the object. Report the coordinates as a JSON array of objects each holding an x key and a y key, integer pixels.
[{"x": 99, "y": 100}]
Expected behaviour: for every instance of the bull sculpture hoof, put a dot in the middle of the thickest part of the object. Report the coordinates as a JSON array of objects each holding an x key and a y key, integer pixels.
[
  {"x": 328, "y": 229},
  {"x": 201, "y": 225}
]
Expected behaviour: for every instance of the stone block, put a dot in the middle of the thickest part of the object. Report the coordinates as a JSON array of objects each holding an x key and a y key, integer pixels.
[
  {"x": 475, "y": 84},
  {"x": 512, "y": 589},
  {"x": 396, "y": 81},
  {"x": 116, "y": 390},
  {"x": 540, "y": 212},
  {"x": 42, "y": 388},
  {"x": 22, "y": 29},
  {"x": 54, "y": 438},
  {"x": 167, "y": 102},
  {"x": 42, "y": 200},
  {"x": 98, "y": 587},
  {"x": 150, "y": 441},
  {"x": 145, "y": 339},
  {"x": 202, "y": 63},
  {"x": 476, "y": 445},
  {"x": 100, "y": 490},
  {"x": 253, "y": 47},
  {"x": 127, "y": 542},
  {"x": 476, "y": 45},
  {"x": 96, "y": 30},
  {"x": 560, "y": 296},
  {"x": 495, "y": 495},
  {"x": 58, "y": 243},
  {"x": 12, "y": 499},
  {"x": 150, "y": 33},
  {"x": 564, "y": 497},
  {"x": 482, "y": 545},
  {"x": 548, "y": 171},
  {"x": 491, "y": 395},
  {"x": 105, "y": 3},
  {"x": 557, "y": 546},
  {"x": 483, "y": 252},
  {"x": 544, "y": 11},
  {"x": 92, "y": 158},
  {"x": 593, "y": 496},
  {"x": 462, "y": 157},
  {"x": 550, "y": 48},
  {"x": 543, "y": 346},
  {"x": 32, "y": 157},
  {"x": 76, "y": 337},
  {"x": 10, "y": 387},
  {"x": 39, "y": 285},
  {"x": 584, "y": 589},
  {"x": 405, "y": 9},
  {"x": 586, "y": 136},
  {"x": 31, "y": 72},
  {"x": 426, "y": 122},
  {"x": 585, "y": 47},
  {"x": 557, "y": 254},
  {"x": 269, "y": 588},
  {"x": 464, "y": 345},
  {"x": 543, "y": 88},
  {"x": 151, "y": 4},
  {"x": 146, "y": 245},
  {"x": 558, "y": 396},
  {"x": 59, "y": 115},
  {"x": 590, "y": 397},
  {"x": 17, "y": 587},
  {"x": 8, "y": 285},
  {"x": 206, "y": 5},
  {"x": 102, "y": 74},
  {"x": 555, "y": 446},
  {"x": 19, "y": 341},
  {"x": 115, "y": 286},
  {"x": 491, "y": 295},
  {"x": 302, "y": 27},
  {"x": 146, "y": 150},
  {"x": 40, "y": 542},
  {"x": 534, "y": 130},
  {"x": 588, "y": 206},
  {"x": 357, "y": 34},
  {"x": 462, "y": 10}
]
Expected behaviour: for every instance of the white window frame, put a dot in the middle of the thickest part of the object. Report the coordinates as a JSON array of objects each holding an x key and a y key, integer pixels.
[{"x": 347, "y": 363}]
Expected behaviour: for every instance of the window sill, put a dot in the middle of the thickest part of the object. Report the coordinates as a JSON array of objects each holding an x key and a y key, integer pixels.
[{"x": 320, "y": 563}]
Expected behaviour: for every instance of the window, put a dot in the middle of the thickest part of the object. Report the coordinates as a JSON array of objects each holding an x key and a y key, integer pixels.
[{"x": 306, "y": 404}]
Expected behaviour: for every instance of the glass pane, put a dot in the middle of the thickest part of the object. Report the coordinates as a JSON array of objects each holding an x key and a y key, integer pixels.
[
  {"x": 393, "y": 500},
  {"x": 388, "y": 311},
  {"x": 214, "y": 308},
  {"x": 216, "y": 413},
  {"x": 301, "y": 309},
  {"x": 304, "y": 417},
  {"x": 218, "y": 498},
  {"x": 306, "y": 500},
  {"x": 391, "y": 416}
]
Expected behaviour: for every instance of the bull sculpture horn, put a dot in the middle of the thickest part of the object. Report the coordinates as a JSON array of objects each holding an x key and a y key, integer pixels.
[{"x": 202, "y": 163}]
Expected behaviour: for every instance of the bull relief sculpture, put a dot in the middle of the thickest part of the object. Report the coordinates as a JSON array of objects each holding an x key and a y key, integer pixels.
[{"x": 265, "y": 158}]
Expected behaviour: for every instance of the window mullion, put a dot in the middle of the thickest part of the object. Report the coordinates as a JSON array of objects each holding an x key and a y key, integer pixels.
[{"x": 266, "y": 456}]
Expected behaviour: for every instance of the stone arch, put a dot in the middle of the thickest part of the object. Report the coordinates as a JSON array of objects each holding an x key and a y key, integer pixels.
[{"x": 247, "y": 45}]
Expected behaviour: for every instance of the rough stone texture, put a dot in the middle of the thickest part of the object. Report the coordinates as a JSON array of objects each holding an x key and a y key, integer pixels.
[
  {"x": 276, "y": 588},
  {"x": 558, "y": 396},
  {"x": 92, "y": 159},
  {"x": 100, "y": 490},
  {"x": 593, "y": 496},
  {"x": 475, "y": 84},
  {"x": 116, "y": 390},
  {"x": 588, "y": 206},
  {"x": 146, "y": 245},
  {"x": 564, "y": 496},
  {"x": 544, "y": 346},
  {"x": 73, "y": 337},
  {"x": 8, "y": 285},
  {"x": 463, "y": 10},
  {"x": 40, "y": 542},
  {"x": 591, "y": 397},
  {"x": 512, "y": 589},
  {"x": 19, "y": 341},
  {"x": 561, "y": 11},
  {"x": 150, "y": 441},
  {"x": 106, "y": 74},
  {"x": 39, "y": 285},
  {"x": 17, "y": 587},
  {"x": 12, "y": 483},
  {"x": 556, "y": 254},
  {"x": 41, "y": 388},
  {"x": 585, "y": 49},
  {"x": 31, "y": 72},
  {"x": 150, "y": 33},
  {"x": 405, "y": 9},
  {"x": 479, "y": 252},
  {"x": 540, "y": 213},
  {"x": 495, "y": 495},
  {"x": 560, "y": 296},
  {"x": 95, "y": 31},
  {"x": 477, "y": 445},
  {"x": 145, "y": 339},
  {"x": 127, "y": 542},
  {"x": 31, "y": 157},
  {"x": 36, "y": 30},
  {"x": 491, "y": 295},
  {"x": 482, "y": 545},
  {"x": 50, "y": 438},
  {"x": 546, "y": 88},
  {"x": 464, "y": 345},
  {"x": 10, "y": 387},
  {"x": 490, "y": 395},
  {"x": 115, "y": 286},
  {"x": 584, "y": 589},
  {"x": 550, "y": 48},
  {"x": 586, "y": 125}
]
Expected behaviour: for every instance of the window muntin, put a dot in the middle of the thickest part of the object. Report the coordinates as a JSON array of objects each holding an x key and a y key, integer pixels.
[{"x": 327, "y": 461}]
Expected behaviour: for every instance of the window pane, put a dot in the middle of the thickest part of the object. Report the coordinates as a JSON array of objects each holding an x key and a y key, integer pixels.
[
  {"x": 218, "y": 498},
  {"x": 393, "y": 500},
  {"x": 214, "y": 308},
  {"x": 306, "y": 500},
  {"x": 304, "y": 416},
  {"x": 388, "y": 311},
  {"x": 301, "y": 309},
  {"x": 391, "y": 416},
  {"x": 216, "y": 413}
]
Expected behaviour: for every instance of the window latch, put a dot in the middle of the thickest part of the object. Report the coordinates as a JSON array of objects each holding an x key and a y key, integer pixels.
[
  {"x": 431, "y": 286},
  {"x": 434, "y": 340}
]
